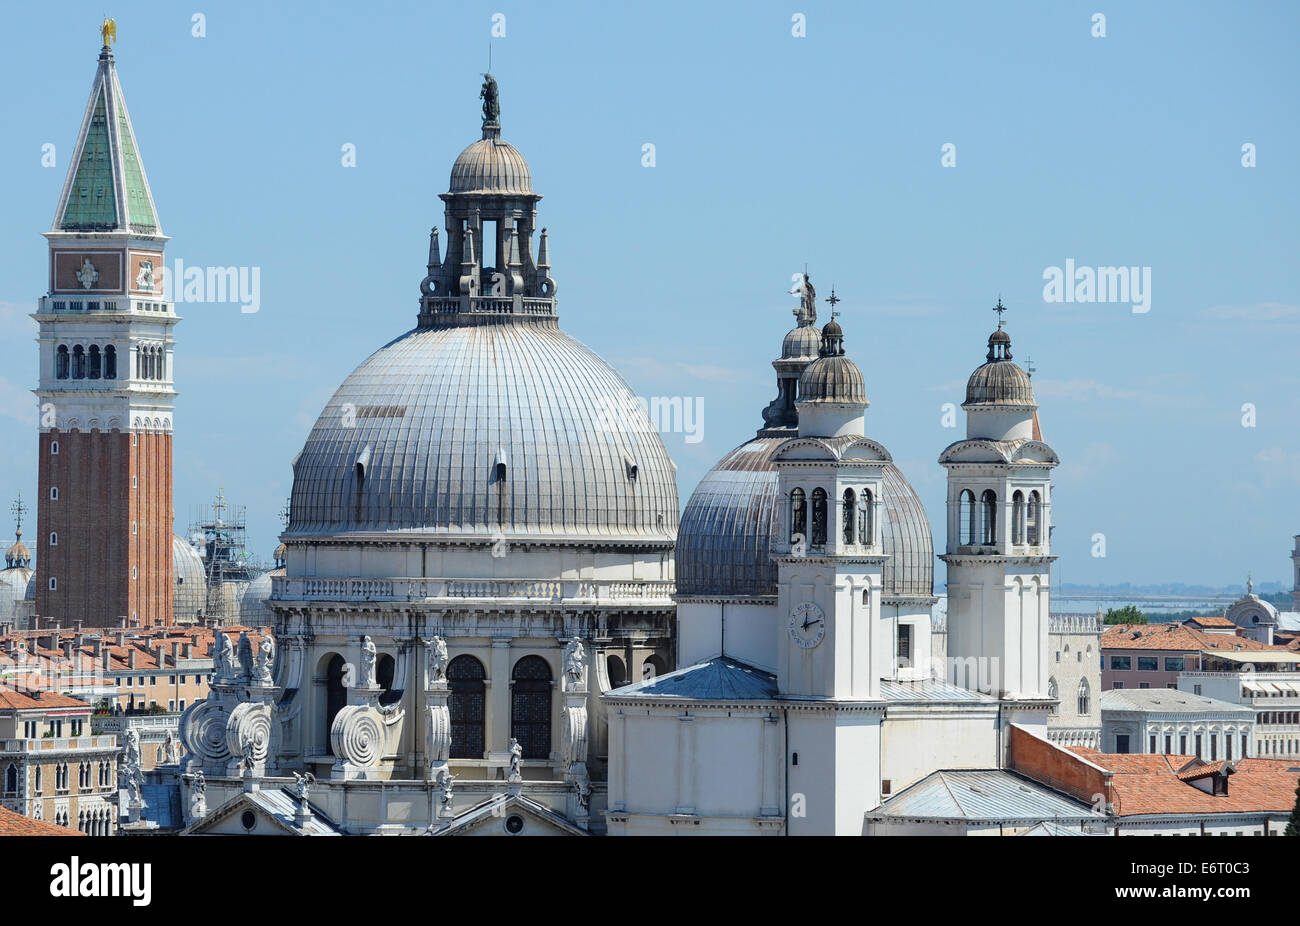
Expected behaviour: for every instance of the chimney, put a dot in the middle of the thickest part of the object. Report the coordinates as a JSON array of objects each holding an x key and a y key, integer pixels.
[
  {"x": 131, "y": 658},
  {"x": 67, "y": 649},
  {"x": 120, "y": 639},
  {"x": 121, "y": 621},
  {"x": 176, "y": 652},
  {"x": 77, "y": 625},
  {"x": 98, "y": 647},
  {"x": 80, "y": 639}
]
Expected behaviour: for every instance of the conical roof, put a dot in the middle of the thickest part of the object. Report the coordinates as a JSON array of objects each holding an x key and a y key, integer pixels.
[{"x": 106, "y": 188}]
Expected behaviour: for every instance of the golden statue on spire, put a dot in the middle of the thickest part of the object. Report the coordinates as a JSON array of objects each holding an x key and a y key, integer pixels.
[{"x": 109, "y": 31}]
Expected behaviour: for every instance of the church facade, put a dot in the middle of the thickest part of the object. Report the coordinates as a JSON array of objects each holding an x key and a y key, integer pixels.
[{"x": 480, "y": 542}]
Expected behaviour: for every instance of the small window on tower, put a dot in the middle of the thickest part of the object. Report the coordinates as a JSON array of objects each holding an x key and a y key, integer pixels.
[
  {"x": 133, "y": 572},
  {"x": 134, "y": 528},
  {"x": 133, "y": 483},
  {"x": 54, "y": 538},
  {"x": 54, "y": 493},
  {"x": 54, "y": 583},
  {"x": 54, "y": 448}
]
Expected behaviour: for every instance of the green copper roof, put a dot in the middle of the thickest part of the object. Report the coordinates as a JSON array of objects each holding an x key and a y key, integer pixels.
[
  {"x": 137, "y": 191},
  {"x": 90, "y": 200},
  {"x": 106, "y": 189}
]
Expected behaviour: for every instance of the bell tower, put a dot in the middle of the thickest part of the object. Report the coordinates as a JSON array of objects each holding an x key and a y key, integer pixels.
[
  {"x": 833, "y": 647},
  {"x": 104, "y": 515},
  {"x": 999, "y": 533}
]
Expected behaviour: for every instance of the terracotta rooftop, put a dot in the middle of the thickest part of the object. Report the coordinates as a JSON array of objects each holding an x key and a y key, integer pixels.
[
  {"x": 1175, "y": 637},
  {"x": 144, "y": 643},
  {"x": 13, "y": 699},
  {"x": 1210, "y": 622},
  {"x": 1147, "y": 784},
  {"x": 15, "y": 824}
]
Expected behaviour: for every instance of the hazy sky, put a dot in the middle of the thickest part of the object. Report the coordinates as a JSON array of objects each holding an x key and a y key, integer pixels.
[{"x": 770, "y": 151}]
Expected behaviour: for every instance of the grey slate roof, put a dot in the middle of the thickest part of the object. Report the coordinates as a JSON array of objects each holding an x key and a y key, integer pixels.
[
  {"x": 1048, "y": 828},
  {"x": 718, "y": 679},
  {"x": 981, "y": 796},
  {"x": 928, "y": 690},
  {"x": 1167, "y": 701}
]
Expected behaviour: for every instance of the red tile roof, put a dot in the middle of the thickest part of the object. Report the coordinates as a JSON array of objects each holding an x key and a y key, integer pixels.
[
  {"x": 13, "y": 699},
  {"x": 1210, "y": 622},
  {"x": 1146, "y": 784},
  {"x": 15, "y": 824},
  {"x": 1176, "y": 637}
]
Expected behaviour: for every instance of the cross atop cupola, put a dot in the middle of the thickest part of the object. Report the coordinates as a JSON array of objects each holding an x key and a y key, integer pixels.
[{"x": 999, "y": 308}]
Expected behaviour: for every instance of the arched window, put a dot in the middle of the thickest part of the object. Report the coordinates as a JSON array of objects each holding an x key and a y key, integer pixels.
[
  {"x": 989, "y": 517},
  {"x": 966, "y": 518},
  {"x": 1018, "y": 517},
  {"x": 866, "y": 518},
  {"x": 850, "y": 516},
  {"x": 1034, "y": 519},
  {"x": 336, "y": 696},
  {"x": 384, "y": 669},
  {"x": 61, "y": 366},
  {"x": 110, "y": 362},
  {"x": 465, "y": 678},
  {"x": 95, "y": 368},
  {"x": 530, "y": 706},
  {"x": 653, "y": 667},
  {"x": 78, "y": 362},
  {"x": 1084, "y": 706},
  {"x": 11, "y": 779},
  {"x": 818, "y": 517},
  {"x": 617, "y": 671},
  {"x": 798, "y": 516}
]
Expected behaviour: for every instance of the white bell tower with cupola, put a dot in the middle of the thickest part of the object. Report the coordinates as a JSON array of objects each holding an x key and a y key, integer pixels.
[
  {"x": 999, "y": 534},
  {"x": 833, "y": 648}
]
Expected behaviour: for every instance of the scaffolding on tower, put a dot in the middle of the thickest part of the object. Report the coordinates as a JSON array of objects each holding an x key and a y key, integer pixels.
[{"x": 218, "y": 532}]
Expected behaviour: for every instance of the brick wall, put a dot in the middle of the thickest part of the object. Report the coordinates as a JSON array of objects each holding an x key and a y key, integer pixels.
[
  {"x": 94, "y": 517},
  {"x": 1058, "y": 768}
]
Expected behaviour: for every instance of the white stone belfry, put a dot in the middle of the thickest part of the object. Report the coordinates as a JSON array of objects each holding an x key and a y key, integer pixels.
[{"x": 999, "y": 535}]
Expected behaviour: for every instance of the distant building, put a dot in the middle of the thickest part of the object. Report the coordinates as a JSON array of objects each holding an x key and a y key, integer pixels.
[
  {"x": 51, "y": 766},
  {"x": 1074, "y": 644},
  {"x": 1267, "y": 681},
  {"x": 1163, "y": 722},
  {"x": 1154, "y": 655}
]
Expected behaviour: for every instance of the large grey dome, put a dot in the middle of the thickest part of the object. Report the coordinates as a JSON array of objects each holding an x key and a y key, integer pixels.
[
  {"x": 723, "y": 544},
  {"x": 473, "y": 429}
]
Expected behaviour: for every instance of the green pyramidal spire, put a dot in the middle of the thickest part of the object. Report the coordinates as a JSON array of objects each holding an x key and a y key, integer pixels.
[{"x": 106, "y": 189}]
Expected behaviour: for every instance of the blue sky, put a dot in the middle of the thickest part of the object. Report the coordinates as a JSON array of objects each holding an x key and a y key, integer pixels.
[{"x": 771, "y": 151}]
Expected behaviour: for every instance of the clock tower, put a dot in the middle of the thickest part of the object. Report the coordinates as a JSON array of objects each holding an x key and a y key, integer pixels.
[
  {"x": 104, "y": 514},
  {"x": 833, "y": 647}
]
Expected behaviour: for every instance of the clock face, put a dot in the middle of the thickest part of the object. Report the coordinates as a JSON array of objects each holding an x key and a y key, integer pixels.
[{"x": 807, "y": 624}]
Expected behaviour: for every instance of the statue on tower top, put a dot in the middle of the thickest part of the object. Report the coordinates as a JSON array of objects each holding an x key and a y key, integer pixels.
[
  {"x": 108, "y": 31},
  {"x": 491, "y": 102},
  {"x": 807, "y": 311}
]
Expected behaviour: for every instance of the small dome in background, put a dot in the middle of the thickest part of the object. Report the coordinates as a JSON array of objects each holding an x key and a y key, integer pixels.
[
  {"x": 190, "y": 595},
  {"x": 253, "y": 608},
  {"x": 491, "y": 166},
  {"x": 833, "y": 377},
  {"x": 800, "y": 343},
  {"x": 1000, "y": 381}
]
